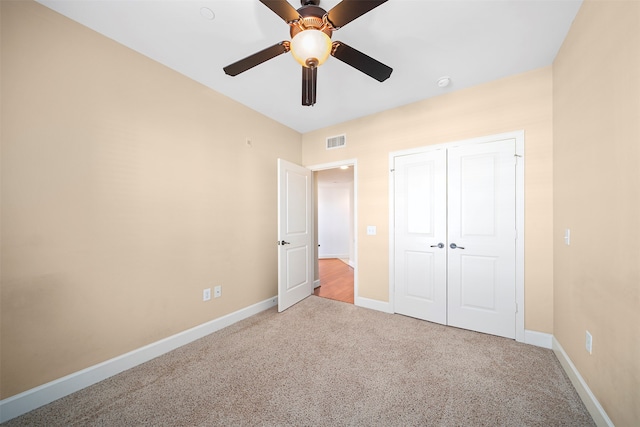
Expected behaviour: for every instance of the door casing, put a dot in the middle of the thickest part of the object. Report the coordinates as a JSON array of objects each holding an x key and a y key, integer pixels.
[{"x": 518, "y": 136}]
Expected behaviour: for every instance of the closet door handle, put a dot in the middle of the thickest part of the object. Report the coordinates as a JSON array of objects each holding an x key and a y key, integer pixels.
[
  {"x": 439, "y": 245},
  {"x": 454, "y": 246}
]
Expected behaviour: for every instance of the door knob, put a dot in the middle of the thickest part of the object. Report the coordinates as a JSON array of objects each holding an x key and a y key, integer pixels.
[
  {"x": 282, "y": 242},
  {"x": 439, "y": 245},
  {"x": 454, "y": 246}
]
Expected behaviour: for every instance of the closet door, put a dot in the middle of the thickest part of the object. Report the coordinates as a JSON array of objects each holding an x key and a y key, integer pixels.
[
  {"x": 420, "y": 182},
  {"x": 482, "y": 237}
]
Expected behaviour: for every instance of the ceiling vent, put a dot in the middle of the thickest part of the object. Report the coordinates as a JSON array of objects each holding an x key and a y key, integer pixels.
[{"x": 336, "y": 142}]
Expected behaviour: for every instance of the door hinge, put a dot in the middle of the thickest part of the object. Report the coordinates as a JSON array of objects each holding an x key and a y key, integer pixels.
[
  {"x": 392, "y": 170},
  {"x": 516, "y": 307}
]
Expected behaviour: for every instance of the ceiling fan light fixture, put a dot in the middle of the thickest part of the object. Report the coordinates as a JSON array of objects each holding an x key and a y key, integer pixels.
[
  {"x": 311, "y": 47},
  {"x": 310, "y": 30}
]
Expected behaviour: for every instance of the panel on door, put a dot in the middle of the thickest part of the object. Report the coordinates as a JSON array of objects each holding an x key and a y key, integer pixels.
[
  {"x": 295, "y": 257},
  {"x": 420, "y": 233},
  {"x": 481, "y": 237}
]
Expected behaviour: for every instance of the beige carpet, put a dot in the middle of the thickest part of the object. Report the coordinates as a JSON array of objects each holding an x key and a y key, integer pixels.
[{"x": 327, "y": 363}]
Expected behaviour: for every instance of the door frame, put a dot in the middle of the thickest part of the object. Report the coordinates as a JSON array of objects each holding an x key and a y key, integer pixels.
[
  {"x": 332, "y": 165},
  {"x": 518, "y": 136}
]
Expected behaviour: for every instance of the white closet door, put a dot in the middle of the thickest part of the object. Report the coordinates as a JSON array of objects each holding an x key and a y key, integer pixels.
[
  {"x": 482, "y": 229},
  {"x": 420, "y": 225}
]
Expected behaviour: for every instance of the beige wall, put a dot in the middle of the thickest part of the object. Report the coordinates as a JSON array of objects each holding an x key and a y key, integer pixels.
[
  {"x": 597, "y": 195},
  {"x": 126, "y": 190},
  {"x": 521, "y": 102}
]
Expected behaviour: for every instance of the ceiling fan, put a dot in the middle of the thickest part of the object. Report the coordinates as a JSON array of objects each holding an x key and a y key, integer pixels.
[{"x": 311, "y": 45}]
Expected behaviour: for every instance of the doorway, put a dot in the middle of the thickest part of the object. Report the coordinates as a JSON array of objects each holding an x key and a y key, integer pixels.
[
  {"x": 458, "y": 233},
  {"x": 335, "y": 225}
]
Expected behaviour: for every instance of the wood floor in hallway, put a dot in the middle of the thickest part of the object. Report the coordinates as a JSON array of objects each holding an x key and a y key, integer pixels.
[{"x": 336, "y": 280}]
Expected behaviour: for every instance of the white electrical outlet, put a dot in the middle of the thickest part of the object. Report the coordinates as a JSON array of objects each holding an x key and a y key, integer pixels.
[
  {"x": 588, "y": 342},
  {"x": 217, "y": 291},
  {"x": 206, "y": 294},
  {"x": 567, "y": 236}
]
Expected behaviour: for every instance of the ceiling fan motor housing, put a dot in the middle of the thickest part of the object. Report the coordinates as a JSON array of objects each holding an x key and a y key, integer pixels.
[{"x": 312, "y": 18}]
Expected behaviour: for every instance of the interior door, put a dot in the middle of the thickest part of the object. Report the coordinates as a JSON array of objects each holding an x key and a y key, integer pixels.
[
  {"x": 420, "y": 233},
  {"x": 295, "y": 234},
  {"x": 482, "y": 238}
]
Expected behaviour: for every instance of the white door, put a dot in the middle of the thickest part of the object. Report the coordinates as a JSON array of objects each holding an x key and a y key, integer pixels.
[
  {"x": 295, "y": 233},
  {"x": 420, "y": 232},
  {"x": 463, "y": 197},
  {"x": 482, "y": 238}
]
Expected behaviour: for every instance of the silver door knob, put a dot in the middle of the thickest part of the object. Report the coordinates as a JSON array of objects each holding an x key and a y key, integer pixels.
[
  {"x": 454, "y": 246},
  {"x": 439, "y": 245}
]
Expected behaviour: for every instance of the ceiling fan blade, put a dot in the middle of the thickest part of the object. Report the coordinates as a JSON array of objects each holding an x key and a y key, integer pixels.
[
  {"x": 348, "y": 10},
  {"x": 309, "y": 84},
  {"x": 360, "y": 61},
  {"x": 257, "y": 58},
  {"x": 283, "y": 9}
]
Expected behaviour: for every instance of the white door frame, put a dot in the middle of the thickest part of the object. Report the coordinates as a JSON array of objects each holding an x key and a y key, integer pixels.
[
  {"x": 519, "y": 139},
  {"x": 353, "y": 163}
]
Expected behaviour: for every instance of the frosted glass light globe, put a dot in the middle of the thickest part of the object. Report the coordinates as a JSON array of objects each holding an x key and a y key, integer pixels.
[{"x": 311, "y": 48}]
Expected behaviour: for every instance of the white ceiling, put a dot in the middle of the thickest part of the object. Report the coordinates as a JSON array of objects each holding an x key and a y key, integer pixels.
[{"x": 472, "y": 41}]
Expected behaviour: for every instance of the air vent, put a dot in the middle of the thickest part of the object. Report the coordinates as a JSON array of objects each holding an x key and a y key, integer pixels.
[{"x": 336, "y": 142}]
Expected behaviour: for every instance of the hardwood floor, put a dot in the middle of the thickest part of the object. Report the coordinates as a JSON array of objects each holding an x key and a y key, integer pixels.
[{"x": 336, "y": 280}]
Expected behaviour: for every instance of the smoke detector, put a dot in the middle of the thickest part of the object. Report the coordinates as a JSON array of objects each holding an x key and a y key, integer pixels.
[{"x": 444, "y": 81}]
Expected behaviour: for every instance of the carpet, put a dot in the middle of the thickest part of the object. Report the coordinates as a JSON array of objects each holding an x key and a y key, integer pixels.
[{"x": 327, "y": 363}]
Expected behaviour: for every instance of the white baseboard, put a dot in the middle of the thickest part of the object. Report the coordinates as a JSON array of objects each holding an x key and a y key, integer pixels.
[
  {"x": 539, "y": 339},
  {"x": 596, "y": 410},
  {"x": 373, "y": 304},
  {"x": 316, "y": 283},
  {"x": 29, "y": 400}
]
